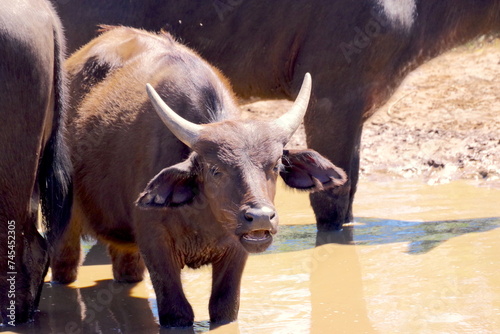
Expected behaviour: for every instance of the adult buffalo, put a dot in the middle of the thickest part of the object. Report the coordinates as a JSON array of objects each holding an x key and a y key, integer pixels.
[
  {"x": 34, "y": 162},
  {"x": 209, "y": 188},
  {"x": 357, "y": 51}
]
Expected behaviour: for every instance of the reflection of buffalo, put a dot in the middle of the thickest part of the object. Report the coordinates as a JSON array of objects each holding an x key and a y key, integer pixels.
[
  {"x": 104, "y": 306},
  {"x": 33, "y": 159},
  {"x": 358, "y": 52},
  {"x": 207, "y": 189}
]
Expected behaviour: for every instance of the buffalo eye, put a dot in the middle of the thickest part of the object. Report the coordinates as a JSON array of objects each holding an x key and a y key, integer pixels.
[
  {"x": 215, "y": 171},
  {"x": 278, "y": 166}
]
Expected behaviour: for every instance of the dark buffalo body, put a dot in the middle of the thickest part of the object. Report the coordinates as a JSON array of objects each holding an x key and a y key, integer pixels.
[
  {"x": 34, "y": 163},
  {"x": 358, "y": 52},
  {"x": 164, "y": 195}
]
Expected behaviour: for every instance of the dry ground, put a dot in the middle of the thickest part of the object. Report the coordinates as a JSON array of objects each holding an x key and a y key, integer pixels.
[{"x": 442, "y": 124}]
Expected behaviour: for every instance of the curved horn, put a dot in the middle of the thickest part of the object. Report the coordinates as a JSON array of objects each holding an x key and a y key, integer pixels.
[
  {"x": 291, "y": 120},
  {"x": 186, "y": 131}
]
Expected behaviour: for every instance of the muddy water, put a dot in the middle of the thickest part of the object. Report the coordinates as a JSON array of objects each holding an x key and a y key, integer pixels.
[{"x": 418, "y": 259}]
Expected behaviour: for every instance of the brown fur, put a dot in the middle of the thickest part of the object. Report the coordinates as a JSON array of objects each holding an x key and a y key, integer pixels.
[{"x": 193, "y": 207}]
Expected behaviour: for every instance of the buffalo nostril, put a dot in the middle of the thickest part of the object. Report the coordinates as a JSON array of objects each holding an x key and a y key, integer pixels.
[{"x": 248, "y": 216}]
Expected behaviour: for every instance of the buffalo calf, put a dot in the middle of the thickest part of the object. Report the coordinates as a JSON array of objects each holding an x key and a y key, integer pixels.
[{"x": 165, "y": 189}]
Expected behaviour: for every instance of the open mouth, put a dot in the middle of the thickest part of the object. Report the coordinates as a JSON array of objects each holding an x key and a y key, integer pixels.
[
  {"x": 256, "y": 241},
  {"x": 257, "y": 236}
]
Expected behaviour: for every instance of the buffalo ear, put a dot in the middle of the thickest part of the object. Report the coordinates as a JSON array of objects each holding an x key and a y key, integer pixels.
[
  {"x": 172, "y": 187},
  {"x": 309, "y": 170}
]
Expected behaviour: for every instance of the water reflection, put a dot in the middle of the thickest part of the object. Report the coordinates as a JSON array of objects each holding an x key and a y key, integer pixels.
[
  {"x": 336, "y": 283},
  {"x": 376, "y": 275},
  {"x": 105, "y": 305},
  {"x": 308, "y": 282}
]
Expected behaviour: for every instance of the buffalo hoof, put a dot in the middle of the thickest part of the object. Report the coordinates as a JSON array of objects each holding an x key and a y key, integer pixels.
[
  {"x": 168, "y": 322},
  {"x": 327, "y": 225},
  {"x": 63, "y": 277},
  {"x": 130, "y": 274},
  {"x": 181, "y": 317},
  {"x": 128, "y": 278}
]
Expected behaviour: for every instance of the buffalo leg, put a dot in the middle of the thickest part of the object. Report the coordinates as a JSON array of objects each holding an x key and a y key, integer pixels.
[
  {"x": 174, "y": 309},
  {"x": 128, "y": 266},
  {"x": 164, "y": 269},
  {"x": 226, "y": 279},
  {"x": 67, "y": 255},
  {"x": 339, "y": 140}
]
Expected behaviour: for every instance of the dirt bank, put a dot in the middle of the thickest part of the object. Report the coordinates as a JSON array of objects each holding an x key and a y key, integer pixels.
[{"x": 442, "y": 124}]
